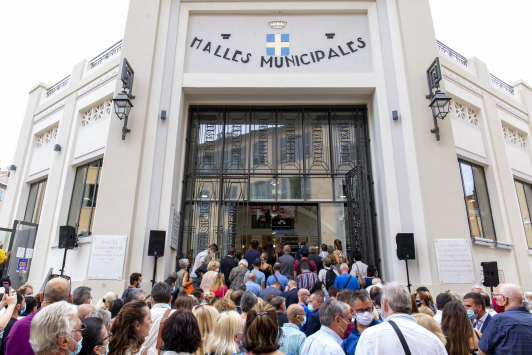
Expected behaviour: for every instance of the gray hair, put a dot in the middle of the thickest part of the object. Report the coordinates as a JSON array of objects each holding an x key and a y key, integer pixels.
[
  {"x": 478, "y": 286},
  {"x": 132, "y": 294},
  {"x": 344, "y": 266},
  {"x": 527, "y": 294},
  {"x": 248, "y": 301},
  {"x": 183, "y": 263},
  {"x": 54, "y": 321},
  {"x": 243, "y": 263},
  {"x": 331, "y": 309},
  {"x": 161, "y": 293},
  {"x": 102, "y": 314},
  {"x": 277, "y": 302},
  {"x": 81, "y": 294},
  {"x": 397, "y": 297}
]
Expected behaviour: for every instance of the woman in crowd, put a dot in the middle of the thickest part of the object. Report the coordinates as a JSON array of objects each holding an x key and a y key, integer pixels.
[
  {"x": 423, "y": 298},
  {"x": 184, "y": 301},
  {"x": 228, "y": 294},
  {"x": 431, "y": 325},
  {"x": 252, "y": 254},
  {"x": 186, "y": 281},
  {"x": 415, "y": 309},
  {"x": 262, "y": 333},
  {"x": 204, "y": 268},
  {"x": 218, "y": 286},
  {"x": 426, "y": 310},
  {"x": 339, "y": 256},
  {"x": 183, "y": 267},
  {"x": 130, "y": 327},
  {"x": 226, "y": 334},
  {"x": 225, "y": 306},
  {"x": 247, "y": 303},
  {"x": 279, "y": 249},
  {"x": 208, "y": 277},
  {"x": 26, "y": 290},
  {"x": 117, "y": 306},
  {"x": 210, "y": 298},
  {"x": 462, "y": 338},
  {"x": 236, "y": 277},
  {"x": 181, "y": 334},
  {"x": 95, "y": 337},
  {"x": 206, "y": 316},
  {"x": 31, "y": 306},
  {"x": 107, "y": 301},
  {"x": 265, "y": 267},
  {"x": 271, "y": 255},
  {"x": 323, "y": 252},
  {"x": 330, "y": 255},
  {"x": 372, "y": 273},
  {"x": 455, "y": 296},
  {"x": 326, "y": 266}
]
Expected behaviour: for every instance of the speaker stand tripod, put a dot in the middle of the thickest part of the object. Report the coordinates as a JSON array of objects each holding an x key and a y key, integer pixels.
[
  {"x": 154, "y": 269},
  {"x": 408, "y": 276},
  {"x": 64, "y": 259}
]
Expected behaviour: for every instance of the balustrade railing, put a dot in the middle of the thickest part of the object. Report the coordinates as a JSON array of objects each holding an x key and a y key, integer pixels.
[
  {"x": 451, "y": 53},
  {"x": 55, "y": 88},
  {"x": 106, "y": 54},
  {"x": 498, "y": 82}
]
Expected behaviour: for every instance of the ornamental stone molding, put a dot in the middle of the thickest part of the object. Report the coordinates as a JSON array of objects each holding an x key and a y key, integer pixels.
[
  {"x": 462, "y": 82},
  {"x": 47, "y": 137},
  {"x": 514, "y": 136},
  {"x": 464, "y": 112},
  {"x": 98, "y": 82},
  {"x": 97, "y": 112},
  {"x": 48, "y": 111},
  {"x": 511, "y": 110}
]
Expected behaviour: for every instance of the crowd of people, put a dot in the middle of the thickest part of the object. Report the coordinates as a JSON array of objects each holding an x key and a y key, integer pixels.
[{"x": 270, "y": 302}]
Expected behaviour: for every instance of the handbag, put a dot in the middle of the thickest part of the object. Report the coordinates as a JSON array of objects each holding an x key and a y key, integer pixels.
[
  {"x": 188, "y": 289},
  {"x": 401, "y": 337}
]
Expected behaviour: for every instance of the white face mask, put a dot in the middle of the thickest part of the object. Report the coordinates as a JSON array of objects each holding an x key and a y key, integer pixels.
[{"x": 365, "y": 318}]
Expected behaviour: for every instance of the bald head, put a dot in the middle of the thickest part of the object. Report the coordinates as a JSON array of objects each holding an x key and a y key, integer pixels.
[
  {"x": 293, "y": 311},
  {"x": 287, "y": 249},
  {"x": 84, "y": 310},
  {"x": 515, "y": 297},
  {"x": 252, "y": 277},
  {"x": 57, "y": 290},
  {"x": 292, "y": 284},
  {"x": 344, "y": 268}
]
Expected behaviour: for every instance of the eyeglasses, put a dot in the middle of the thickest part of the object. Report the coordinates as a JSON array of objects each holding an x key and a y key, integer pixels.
[
  {"x": 55, "y": 276},
  {"x": 81, "y": 329},
  {"x": 500, "y": 295},
  {"x": 109, "y": 337},
  {"x": 360, "y": 310}
]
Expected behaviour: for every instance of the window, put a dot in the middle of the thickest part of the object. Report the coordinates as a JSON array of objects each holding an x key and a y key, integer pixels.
[
  {"x": 34, "y": 206},
  {"x": 524, "y": 195},
  {"x": 84, "y": 196},
  {"x": 477, "y": 201}
]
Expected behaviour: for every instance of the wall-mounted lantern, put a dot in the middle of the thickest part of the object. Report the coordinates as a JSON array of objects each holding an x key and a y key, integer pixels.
[
  {"x": 122, "y": 101},
  {"x": 439, "y": 102}
]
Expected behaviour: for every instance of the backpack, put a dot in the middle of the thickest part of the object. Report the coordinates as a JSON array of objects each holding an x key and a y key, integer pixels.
[{"x": 330, "y": 276}]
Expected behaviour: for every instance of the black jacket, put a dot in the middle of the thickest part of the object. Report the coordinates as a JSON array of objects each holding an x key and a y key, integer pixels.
[
  {"x": 317, "y": 261},
  {"x": 313, "y": 323},
  {"x": 226, "y": 265},
  {"x": 281, "y": 319},
  {"x": 290, "y": 297}
]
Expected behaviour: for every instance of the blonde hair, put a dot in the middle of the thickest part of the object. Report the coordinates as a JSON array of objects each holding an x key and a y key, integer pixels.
[
  {"x": 430, "y": 324},
  {"x": 426, "y": 310},
  {"x": 228, "y": 294},
  {"x": 225, "y": 306},
  {"x": 218, "y": 282},
  {"x": 211, "y": 257},
  {"x": 24, "y": 288},
  {"x": 107, "y": 301},
  {"x": 259, "y": 305},
  {"x": 221, "y": 341},
  {"x": 206, "y": 316},
  {"x": 213, "y": 265},
  {"x": 211, "y": 298},
  {"x": 455, "y": 296},
  {"x": 426, "y": 297}
]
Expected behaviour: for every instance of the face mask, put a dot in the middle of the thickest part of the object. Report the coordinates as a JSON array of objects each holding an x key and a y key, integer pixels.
[
  {"x": 76, "y": 352},
  {"x": 306, "y": 301},
  {"x": 311, "y": 308},
  {"x": 24, "y": 310},
  {"x": 527, "y": 301},
  {"x": 418, "y": 304},
  {"x": 202, "y": 301},
  {"x": 349, "y": 329},
  {"x": 107, "y": 349},
  {"x": 139, "y": 285},
  {"x": 496, "y": 307},
  {"x": 471, "y": 314},
  {"x": 303, "y": 321},
  {"x": 379, "y": 311},
  {"x": 345, "y": 331},
  {"x": 217, "y": 270},
  {"x": 175, "y": 288},
  {"x": 365, "y": 318},
  {"x": 325, "y": 292}
]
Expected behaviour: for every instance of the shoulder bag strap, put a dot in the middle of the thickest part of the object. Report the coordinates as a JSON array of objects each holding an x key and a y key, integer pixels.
[
  {"x": 243, "y": 268},
  {"x": 159, "y": 338},
  {"x": 145, "y": 351},
  {"x": 347, "y": 283},
  {"x": 401, "y": 337},
  {"x": 275, "y": 277}
]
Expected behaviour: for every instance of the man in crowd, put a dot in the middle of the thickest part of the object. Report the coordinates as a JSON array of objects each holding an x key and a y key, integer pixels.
[
  {"x": 396, "y": 305},
  {"x": 302, "y": 246},
  {"x": 304, "y": 260},
  {"x": 277, "y": 276},
  {"x": 509, "y": 332},
  {"x": 441, "y": 300},
  {"x": 335, "y": 319},
  {"x": 307, "y": 279},
  {"x": 251, "y": 284},
  {"x": 476, "y": 310},
  {"x": 198, "y": 293},
  {"x": 55, "y": 330},
  {"x": 159, "y": 298},
  {"x": 487, "y": 301},
  {"x": 84, "y": 310},
  {"x": 135, "y": 281},
  {"x": 363, "y": 309},
  {"x": 478, "y": 288},
  {"x": 227, "y": 264},
  {"x": 134, "y": 294},
  {"x": 19, "y": 308},
  {"x": 275, "y": 288},
  {"x": 376, "y": 282},
  {"x": 315, "y": 258},
  {"x": 290, "y": 295},
  {"x": 81, "y": 295},
  {"x": 280, "y": 309},
  {"x": 287, "y": 262},
  {"x": 201, "y": 258},
  {"x": 359, "y": 266},
  {"x": 313, "y": 322},
  {"x": 345, "y": 280},
  {"x": 333, "y": 292},
  {"x": 236, "y": 296},
  {"x": 18, "y": 341},
  {"x": 303, "y": 296},
  {"x": 292, "y": 339},
  {"x": 260, "y": 277}
]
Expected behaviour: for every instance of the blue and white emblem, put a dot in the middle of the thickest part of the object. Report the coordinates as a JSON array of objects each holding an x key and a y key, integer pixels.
[{"x": 277, "y": 44}]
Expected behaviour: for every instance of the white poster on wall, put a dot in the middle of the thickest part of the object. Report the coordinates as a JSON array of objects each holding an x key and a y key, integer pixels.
[
  {"x": 175, "y": 229},
  {"x": 107, "y": 257},
  {"x": 455, "y": 265}
]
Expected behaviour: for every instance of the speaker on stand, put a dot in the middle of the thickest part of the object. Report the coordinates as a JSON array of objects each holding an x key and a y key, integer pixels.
[
  {"x": 156, "y": 248},
  {"x": 406, "y": 250},
  {"x": 67, "y": 240},
  {"x": 491, "y": 274}
]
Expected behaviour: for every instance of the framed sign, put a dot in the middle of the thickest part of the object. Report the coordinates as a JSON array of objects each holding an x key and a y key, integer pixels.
[
  {"x": 107, "y": 257},
  {"x": 455, "y": 265}
]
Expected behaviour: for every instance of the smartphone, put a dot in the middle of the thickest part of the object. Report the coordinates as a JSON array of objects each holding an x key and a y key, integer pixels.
[{"x": 6, "y": 287}]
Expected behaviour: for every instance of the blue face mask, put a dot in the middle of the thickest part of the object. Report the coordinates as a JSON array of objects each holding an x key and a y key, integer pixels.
[
  {"x": 306, "y": 301},
  {"x": 325, "y": 292},
  {"x": 79, "y": 347},
  {"x": 418, "y": 304},
  {"x": 471, "y": 314},
  {"x": 311, "y": 308},
  {"x": 107, "y": 349},
  {"x": 24, "y": 310},
  {"x": 379, "y": 311},
  {"x": 140, "y": 285},
  {"x": 303, "y": 321}
]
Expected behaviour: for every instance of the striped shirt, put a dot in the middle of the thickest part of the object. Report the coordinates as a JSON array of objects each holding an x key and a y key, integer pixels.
[{"x": 307, "y": 279}]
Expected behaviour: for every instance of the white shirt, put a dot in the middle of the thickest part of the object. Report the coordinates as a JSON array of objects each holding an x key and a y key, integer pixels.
[
  {"x": 200, "y": 258},
  {"x": 323, "y": 342},
  {"x": 379, "y": 285},
  {"x": 363, "y": 268},
  {"x": 479, "y": 322},
  {"x": 437, "y": 317},
  {"x": 382, "y": 339},
  {"x": 491, "y": 311},
  {"x": 151, "y": 351},
  {"x": 157, "y": 313},
  {"x": 323, "y": 273}
]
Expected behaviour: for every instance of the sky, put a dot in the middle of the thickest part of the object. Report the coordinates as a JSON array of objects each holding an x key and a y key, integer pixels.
[{"x": 42, "y": 40}]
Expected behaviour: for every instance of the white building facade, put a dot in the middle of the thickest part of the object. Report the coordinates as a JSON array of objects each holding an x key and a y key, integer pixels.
[{"x": 267, "y": 107}]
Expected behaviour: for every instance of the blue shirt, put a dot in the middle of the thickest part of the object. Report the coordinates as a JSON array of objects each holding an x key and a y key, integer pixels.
[
  {"x": 253, "y": 288},
  {"x": 292, "y": 339},
  {"x": 259, "y": 279},
  {"x": 281, "y": 278},
  {"x": 265, "y": 292},
  {"x": 508, "y": 333},
  {"x": 123, "y": 293},
  {"x": 350, "y": 344},
  {"x": 298, "y": 254},
  {"x": 341, "y": 280}
]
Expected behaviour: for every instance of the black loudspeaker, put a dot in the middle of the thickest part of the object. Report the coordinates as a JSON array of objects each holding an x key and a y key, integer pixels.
[
  {"x": 156, "y": 245},
  {"x": 405, "y": 246},
  {"x": 67, "y": 237},
  {"x": 491, "y": 273}
]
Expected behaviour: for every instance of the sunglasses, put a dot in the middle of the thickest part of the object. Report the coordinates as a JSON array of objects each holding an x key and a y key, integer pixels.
[{"x": 55, "y": 276}]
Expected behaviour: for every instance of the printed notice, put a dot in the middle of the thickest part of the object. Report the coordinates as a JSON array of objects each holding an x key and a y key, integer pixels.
[
  {"x": 22, "y": 265},
  {"x": 175, "y": 229},
  {"x": 455, "y": 265},
  {"x": 20, "y": 252},
  {"x": 107, "y": 257},
  {"x": 29, "y": 253}
]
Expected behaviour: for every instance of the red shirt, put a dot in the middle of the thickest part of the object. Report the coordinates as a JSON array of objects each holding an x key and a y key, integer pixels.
[
  {"x": 310, "y": 262},
  {"x": 220, "y": 292}
]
